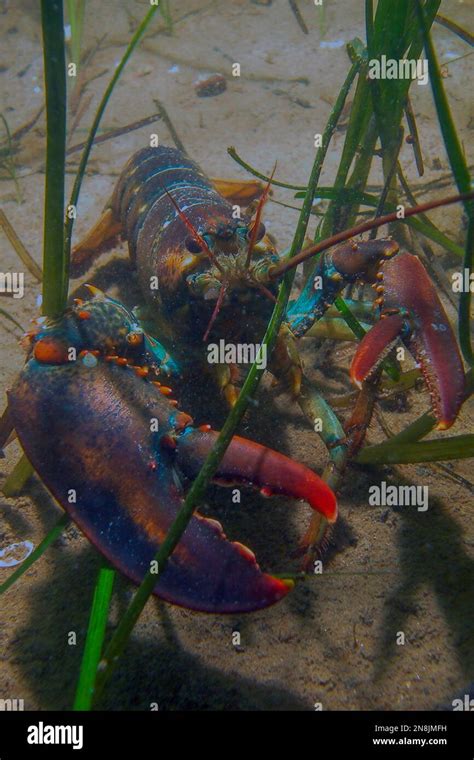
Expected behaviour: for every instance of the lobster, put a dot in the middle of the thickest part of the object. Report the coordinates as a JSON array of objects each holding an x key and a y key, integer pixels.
[
  {"x": 100, "y": 428},
  {"x": 205, "y": 271}
]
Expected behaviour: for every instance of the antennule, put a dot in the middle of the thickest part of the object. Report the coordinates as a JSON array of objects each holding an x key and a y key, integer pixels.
[{"x": 258, "y": 216}]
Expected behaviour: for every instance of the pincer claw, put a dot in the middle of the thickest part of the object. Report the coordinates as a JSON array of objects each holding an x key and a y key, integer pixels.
[
  {"x": 251, "y": 463},
  {"x": 118, "y": 444},
  {"x": 411, "y": 310}
]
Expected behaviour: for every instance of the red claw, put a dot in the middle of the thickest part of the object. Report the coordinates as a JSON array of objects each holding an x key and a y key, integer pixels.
[
  {"x": 374, "y": 346},
  {"x": 248, "y": 462},
  {"x": 412, "y": 310},
  {"x": 126, "y": 476}
]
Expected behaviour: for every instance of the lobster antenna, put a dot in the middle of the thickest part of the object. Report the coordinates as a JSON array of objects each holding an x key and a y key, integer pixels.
[
  {"x": 340, "y": 237},
  {"x": 266, "y": 292},
  {"x": 258, "y": 216},
  {"x": 216, "y": 311},
  {"x": 195, "y": 233}
]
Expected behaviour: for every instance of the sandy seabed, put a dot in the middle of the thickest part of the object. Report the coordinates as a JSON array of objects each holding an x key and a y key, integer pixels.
[{"x": 334, "y": 639}]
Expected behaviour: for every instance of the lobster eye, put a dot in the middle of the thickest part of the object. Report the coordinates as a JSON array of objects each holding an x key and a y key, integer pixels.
[
  {"x": 260, "y": 232},
  {"x": 192, "y": 245}
]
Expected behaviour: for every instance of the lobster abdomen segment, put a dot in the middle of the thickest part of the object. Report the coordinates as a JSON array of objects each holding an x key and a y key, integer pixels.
[{"x": 140, "y": 200}]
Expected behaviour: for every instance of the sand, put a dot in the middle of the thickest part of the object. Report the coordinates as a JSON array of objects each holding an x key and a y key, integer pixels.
[{"x": 333, "y": 641}]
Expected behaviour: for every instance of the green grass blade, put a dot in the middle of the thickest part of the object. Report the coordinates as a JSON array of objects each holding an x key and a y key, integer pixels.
[
  {"x": 465, "y": 299},
  {"x": 464, "y": 34},
  {"x": 349, "y": 318},
  {"x": 53, "y": 534},
  {"x": 16, "y": 480},
  {"x": 359, "y": 124},
  {"x": 75, "y": 11},
  {"x": 456, "y": 447},
  {"x": 461, "y": 174},
  {"x": 369, "y": 26},
  {"x": 446, "y": 123},
  {"x": 54, "y": 265},
  {"x": 94, "y": 639},
  {"x": 424, "y": 424}
]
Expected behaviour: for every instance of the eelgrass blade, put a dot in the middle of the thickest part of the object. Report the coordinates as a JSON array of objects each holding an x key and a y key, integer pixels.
[
  {"x": 166, "y": 14},
  {"x": 94, "y": 639},
  {"x": 464, "y": 34},
  {"x": 35, "y": 555},
  {"x": 461, "y": 175},
  {"x": 16, "y": 480},
  {"x": 464, "y": 327},
  {"x": 75, "y": 11},
  {"x": 425, "y": 424},
  {"x": 54, "y": 265},
  {"x": 456, "y": 447}
]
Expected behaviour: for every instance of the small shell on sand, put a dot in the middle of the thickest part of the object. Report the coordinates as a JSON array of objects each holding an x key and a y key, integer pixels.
[
  {"x": 15, "y": 553},
  {"x": 213, "y": 85}
]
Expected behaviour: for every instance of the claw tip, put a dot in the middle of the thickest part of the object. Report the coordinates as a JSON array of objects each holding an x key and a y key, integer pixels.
[{"x": 444, "y": 425}]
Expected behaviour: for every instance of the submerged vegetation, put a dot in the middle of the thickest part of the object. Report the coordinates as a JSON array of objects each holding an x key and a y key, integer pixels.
[{"x": 380, "y": 113}]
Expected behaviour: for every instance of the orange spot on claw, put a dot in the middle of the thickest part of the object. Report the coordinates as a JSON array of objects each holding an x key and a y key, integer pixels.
[{"x": 50, "y": 351}]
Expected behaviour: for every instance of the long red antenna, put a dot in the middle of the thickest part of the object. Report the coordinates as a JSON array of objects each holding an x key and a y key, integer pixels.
[
  {"x": 195, "y": 233},
  {"x": 258, "y": 216},
  {"x": 340, "y": 237}
]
